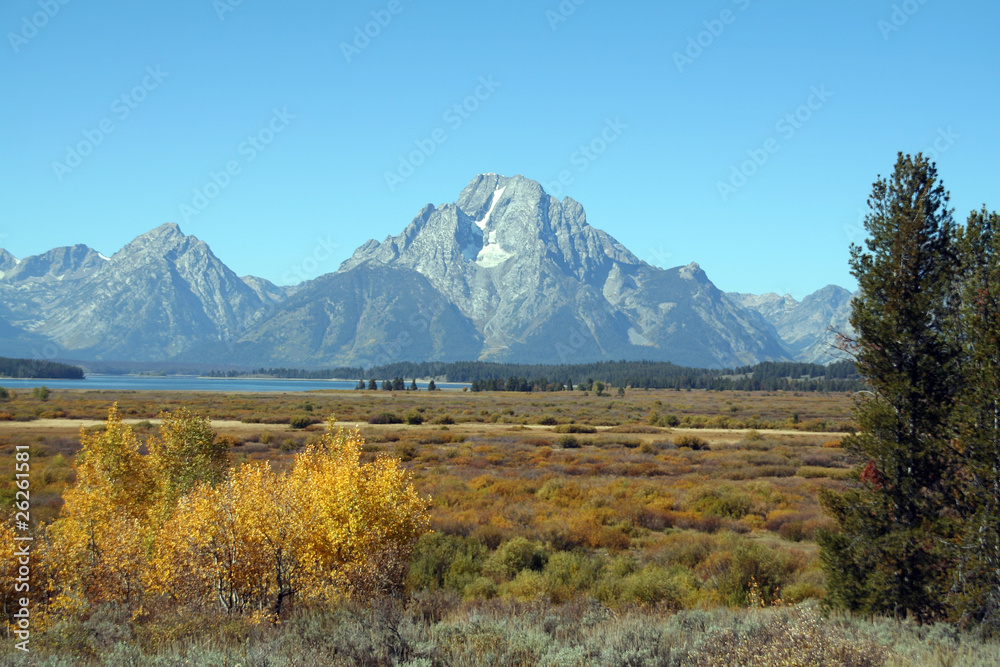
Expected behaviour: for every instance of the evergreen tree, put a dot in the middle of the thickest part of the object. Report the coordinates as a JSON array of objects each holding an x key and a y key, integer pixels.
[
  {"x": 431, "y": 386},
  {"x": 372, "y": 385},
  {"x": 977, "y": 576},
  {"x": 387, "y": 385},
  {"x": 413, "y": 385},
  {"x": 888, "y": 556}
]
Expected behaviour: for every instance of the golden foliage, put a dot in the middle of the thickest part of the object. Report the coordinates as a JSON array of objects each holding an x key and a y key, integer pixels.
[
  {"x": 96, "y": 551},
  {"x": 330, "y": 528},
  {"x": 179, "y": 525}
]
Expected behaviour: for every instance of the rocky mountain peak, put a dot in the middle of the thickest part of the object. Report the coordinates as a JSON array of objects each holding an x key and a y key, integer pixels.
[
  {"x": 164, "y": 243},
  {"x": 7, "y": 261},
  {"x": 65, "y": 263}
]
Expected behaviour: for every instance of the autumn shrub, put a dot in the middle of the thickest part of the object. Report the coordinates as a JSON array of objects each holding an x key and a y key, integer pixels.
[
  {"x": 405, "y": 451},
  {"x": 414, "y": 418},
  {"x": 179, "y": 525},
  {"x": 444, "y": 420},
  {"x": 692, "y": 441},
  {"x": 547, "y": 420},
  {"x": 229, "y": 441}
]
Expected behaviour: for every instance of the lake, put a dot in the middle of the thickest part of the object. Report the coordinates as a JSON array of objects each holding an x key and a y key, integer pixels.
[{"x": 197, "y": 383}]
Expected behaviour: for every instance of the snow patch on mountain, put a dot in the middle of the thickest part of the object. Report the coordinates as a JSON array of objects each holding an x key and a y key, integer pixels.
[{"x": 496, "y": 197}]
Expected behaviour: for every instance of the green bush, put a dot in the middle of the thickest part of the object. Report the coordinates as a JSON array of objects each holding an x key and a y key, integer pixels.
[
  {"x": 568, "y": 442},
  {"x": 449, "y": 562},
  {"x": 725, "y": 502},
  {"x": 515, "y": 555},
  {"x": 692, "y": 441},
  {"x": 300, "y": 422},
  {"x": 574, "y": 428},
  {"x": 651, "y": 586},
  {"x": 570, "y": 573},
  {"x": 414, "y": 418},
  {"x": 729, "y": 571}
]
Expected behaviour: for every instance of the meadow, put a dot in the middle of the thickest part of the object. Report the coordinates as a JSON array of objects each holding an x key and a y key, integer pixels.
[{"x": 675, "y": 527}]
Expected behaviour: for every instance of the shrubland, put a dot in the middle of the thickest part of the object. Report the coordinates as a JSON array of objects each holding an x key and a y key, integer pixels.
[{"x": 636, "y": 543}]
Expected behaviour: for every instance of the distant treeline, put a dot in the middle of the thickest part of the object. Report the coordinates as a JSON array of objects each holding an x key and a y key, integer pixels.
[
  {"x": 37, "y": 368},
  {"x": 490, "y": 376},
  {"x": 343, "y": 372}
]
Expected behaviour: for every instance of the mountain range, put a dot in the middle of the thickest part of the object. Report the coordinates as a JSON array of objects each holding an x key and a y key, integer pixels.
[{"x": 506, "y": 273}]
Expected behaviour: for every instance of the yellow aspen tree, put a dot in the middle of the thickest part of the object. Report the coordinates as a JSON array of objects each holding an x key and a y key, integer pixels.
[
  {"x": 96, "y": 549},
  {"x": 364, "y": 518},
  {"x": 234, "y": 544},
  {"x": 184, "y": 453}
]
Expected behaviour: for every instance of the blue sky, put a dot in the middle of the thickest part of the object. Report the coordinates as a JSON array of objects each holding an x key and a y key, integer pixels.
[{"x": 740, "y": 134}]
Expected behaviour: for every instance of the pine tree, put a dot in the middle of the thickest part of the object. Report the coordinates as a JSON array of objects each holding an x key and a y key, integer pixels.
[
  {"x": 889, "y": 555},
  {"x": 978, "y": 421}
]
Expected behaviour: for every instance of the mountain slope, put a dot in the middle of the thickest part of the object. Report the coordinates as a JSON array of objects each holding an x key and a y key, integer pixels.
[
  {"x": 541, "y": 284},
  {"x": 370, "y": 315},
  {"x": 808, "y": 329},
  {"x": 158, "y": 296}
]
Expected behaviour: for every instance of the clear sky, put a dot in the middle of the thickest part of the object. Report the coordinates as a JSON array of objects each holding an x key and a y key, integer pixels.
[{"x": 740, "y": 134}]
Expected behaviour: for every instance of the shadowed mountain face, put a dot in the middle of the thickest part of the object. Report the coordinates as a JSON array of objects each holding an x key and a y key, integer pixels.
[{"x": 505, "y": 273}]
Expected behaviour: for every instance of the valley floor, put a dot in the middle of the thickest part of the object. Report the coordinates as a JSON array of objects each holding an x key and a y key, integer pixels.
[{"x": 568, "y": 529}]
